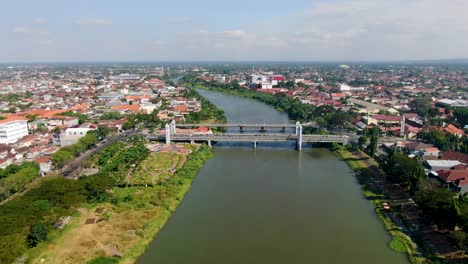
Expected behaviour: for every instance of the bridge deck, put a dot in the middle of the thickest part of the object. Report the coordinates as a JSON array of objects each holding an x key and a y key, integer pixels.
[
  {"x": 226, "y": 137},
  {"x": 242, "y": 125}
]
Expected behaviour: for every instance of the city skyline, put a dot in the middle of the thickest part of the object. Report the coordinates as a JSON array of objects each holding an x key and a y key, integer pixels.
[{"x": 347, "y": 30}]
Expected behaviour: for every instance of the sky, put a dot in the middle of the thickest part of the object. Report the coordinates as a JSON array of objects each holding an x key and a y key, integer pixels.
[{"x": 234, "y": 30}]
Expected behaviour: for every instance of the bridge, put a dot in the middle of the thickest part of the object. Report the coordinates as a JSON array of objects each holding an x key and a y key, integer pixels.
[
  {"x": 171, "y": 135},
  {"x": 243, "y": 127}
]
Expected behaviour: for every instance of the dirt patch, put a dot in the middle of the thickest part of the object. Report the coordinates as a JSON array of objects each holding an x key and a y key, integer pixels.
[
  {"x": 90, "y": 221},
  {"x": 112, "y": 237}
]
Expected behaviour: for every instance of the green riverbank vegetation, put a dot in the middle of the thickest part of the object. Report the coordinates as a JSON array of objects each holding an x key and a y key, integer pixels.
[
  {"x": 369, "y": 176},
  {"x": 110, "y": 221},
  {"x": 325, "y": 116},
  {"x": 414, "y": 209},
  {"x": 14, "y": 178}
]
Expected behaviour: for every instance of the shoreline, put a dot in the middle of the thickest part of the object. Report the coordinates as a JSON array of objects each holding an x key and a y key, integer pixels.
[
  {"x": 400, "y": 241},
  {"x": 158, "y": 224},
  {"x": 146, "y": 232}
]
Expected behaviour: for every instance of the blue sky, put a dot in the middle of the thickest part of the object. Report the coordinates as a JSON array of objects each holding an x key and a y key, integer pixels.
[{"x": 297, "y": 30}]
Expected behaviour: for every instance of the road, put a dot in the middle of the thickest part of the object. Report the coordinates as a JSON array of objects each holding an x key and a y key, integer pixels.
[{"x": 71, "y": 168}]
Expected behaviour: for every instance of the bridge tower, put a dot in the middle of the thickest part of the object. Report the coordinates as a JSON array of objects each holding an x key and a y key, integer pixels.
[
  {"x": 168, "y": 134},
  {"x": 299, "y": 135},
  {"x": 173, "y": 127}
]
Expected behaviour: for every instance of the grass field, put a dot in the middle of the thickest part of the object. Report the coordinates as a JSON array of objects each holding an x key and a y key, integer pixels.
[
  {"x": 158, "y": 166},
  {"x": 125, "y": 225}
]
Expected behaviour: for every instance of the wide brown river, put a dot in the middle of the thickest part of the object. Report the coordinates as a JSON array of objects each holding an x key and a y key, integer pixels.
[{"x": 272, "y": 205}]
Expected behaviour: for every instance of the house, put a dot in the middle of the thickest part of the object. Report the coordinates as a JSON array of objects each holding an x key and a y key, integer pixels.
[
  {"x": 452, "y": 155},
  {"x": 436, "y": 165},
  {"x": 384, "y": 120},
  {"x": 434, "y": 152},
  {"x": 337, "y": 96},
  {"x": 126, "y": 108},
  {"x": 450, "y": 176},
  {"x": 418, "y": 146},
  {"x": 462, "y": 185},
  {"x": 451, "y": 129},
  {"x": 71, "y": 136},
  {"x": 45, "y": 165}
]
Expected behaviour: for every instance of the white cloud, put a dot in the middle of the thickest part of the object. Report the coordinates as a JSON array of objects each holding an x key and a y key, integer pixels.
[
  {"x": 235, "y": 34},
  {"x": 28, "y": 30},
  {"x": 347, "y": 30},
  {"x": 40, "y": 20},
  {"x": 380, "y": 29},
  {"x": 92, "y": 21},
  {"x": 22, "y": 30}
]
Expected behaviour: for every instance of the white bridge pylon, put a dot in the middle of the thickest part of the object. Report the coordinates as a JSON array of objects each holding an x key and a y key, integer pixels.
[
  {"x": 170, "y": 129},
  {"x": 299, "y": 135}
]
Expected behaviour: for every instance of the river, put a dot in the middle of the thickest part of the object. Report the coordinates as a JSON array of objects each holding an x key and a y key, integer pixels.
[{"x": 271, "y": 205}]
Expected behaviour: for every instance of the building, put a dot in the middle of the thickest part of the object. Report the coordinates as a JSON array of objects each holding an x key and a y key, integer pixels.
[
  {"x": 436, "y": 165},
  {"x": 453, "y": 103},
  {"x": 71, "y": 136},
  {"x": 347, "y": 88},
  {"x": 13, "y": 129},
  {"x": 371, "y": 108},
  {"x": 266, "y": 81},
  {"x": 220, "y": 78},
  {"x": 126, "y": 77}
]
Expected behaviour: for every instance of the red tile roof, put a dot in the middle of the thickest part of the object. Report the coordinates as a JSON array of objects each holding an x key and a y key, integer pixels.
[
  {"x": 387, "y": 117},
  {"x": 453, "y": 130},
  {"x": 10, "y": 119},
  {"x": 452, "y": 155},
  {"x": 453, "y": 175},
  {"x": 133, "y": 108}
]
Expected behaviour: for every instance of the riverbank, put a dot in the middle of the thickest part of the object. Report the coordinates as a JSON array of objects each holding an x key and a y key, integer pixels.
[
  {"x": 293, "y": 107},
  {"x": 125, "y": 225},
  {"x": 368, "y": 174},
  {"x": 181, "y": 181},
  {"x": 372, "y": 181}
]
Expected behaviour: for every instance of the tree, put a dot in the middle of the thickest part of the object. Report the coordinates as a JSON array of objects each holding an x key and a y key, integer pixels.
[
  {"x": 102, "y": 132},
  {"x": 362, "y": 141},
  {"x": 37, "y": 233},
  {"x": 112, "y": 115},
  {"x": 60, "y": 157},
  {"x": 372, "y": 147},
  {"x": 423, "y": 107},
  {"x": 439, "y": 206},
  {"x": 461, "y": 116},
  {"x": 403, "y": 170},
  {"x": 97, "y": 187}
]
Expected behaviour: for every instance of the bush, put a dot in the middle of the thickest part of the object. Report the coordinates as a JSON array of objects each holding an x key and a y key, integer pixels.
[
  {"x": 104, "y": 260},
  {"x": 397, "y": 245},
  {"x": 37, "y": 233}
]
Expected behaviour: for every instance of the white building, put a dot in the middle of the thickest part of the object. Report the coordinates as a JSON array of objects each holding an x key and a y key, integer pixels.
[
  {"x": 13, "y": 129},
  {"x": 71, "y": 135},
  {"x": 346, "y": 88}
]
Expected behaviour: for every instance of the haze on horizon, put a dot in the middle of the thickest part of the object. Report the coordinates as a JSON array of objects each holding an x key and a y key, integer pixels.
[{"x": 209, "y": 30}]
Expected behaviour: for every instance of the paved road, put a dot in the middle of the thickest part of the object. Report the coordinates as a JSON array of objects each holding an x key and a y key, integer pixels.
[{"x": 70, "y": 169}]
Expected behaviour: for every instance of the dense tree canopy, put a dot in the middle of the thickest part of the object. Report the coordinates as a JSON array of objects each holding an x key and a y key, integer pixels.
[{"x": 403, "y": 170}]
